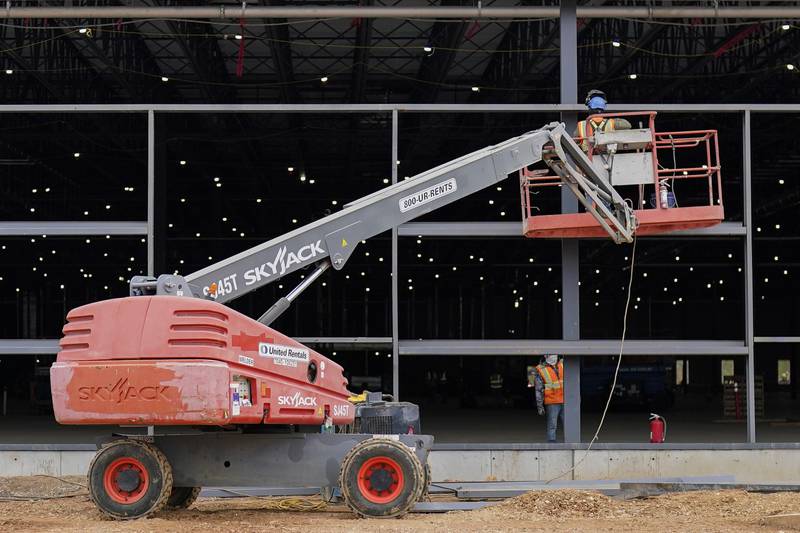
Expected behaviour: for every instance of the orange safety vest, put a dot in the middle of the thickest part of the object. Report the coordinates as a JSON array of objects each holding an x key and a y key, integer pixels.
[
  {"x": 553, "y": 379},
  {"x": 584, "y": 132}
]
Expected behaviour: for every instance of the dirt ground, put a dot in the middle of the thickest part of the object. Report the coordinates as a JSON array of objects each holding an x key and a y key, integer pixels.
[{"x": 68, "y": 508}]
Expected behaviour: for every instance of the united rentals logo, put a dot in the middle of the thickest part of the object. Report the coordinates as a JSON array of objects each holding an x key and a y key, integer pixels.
[
  {"x": 122, "y": 391},
  {"x": 283, "y": 261},
  {"x": 297, "y": 401}
]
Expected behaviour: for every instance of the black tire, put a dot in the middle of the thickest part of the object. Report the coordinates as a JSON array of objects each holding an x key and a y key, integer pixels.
[
  {"x": 182, "y": 497},
  {"x": 381, "y": 478},
  {"x": 129, "y": 479},
  {"x": 426, "y": 484}
]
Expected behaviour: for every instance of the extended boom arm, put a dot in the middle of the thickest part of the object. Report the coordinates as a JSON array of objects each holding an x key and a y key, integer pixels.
[{"x": 335, "y": 237}]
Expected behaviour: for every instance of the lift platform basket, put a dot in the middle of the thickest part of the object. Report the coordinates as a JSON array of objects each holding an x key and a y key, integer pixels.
[{"x": 658, "y": 172}]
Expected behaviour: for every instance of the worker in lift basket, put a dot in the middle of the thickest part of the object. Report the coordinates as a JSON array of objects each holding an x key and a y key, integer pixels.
[
  {"x": 549, "y": 388},
  {"x": 596, "y": 102}
]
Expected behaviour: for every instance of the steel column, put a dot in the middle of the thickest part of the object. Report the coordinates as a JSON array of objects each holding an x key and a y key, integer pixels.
[
  {"x": 395, "y": 274},
  {"x": 570, "y": 296},
  {"x": 748, "y": 275},
  {"x": 151, "y": 192}
]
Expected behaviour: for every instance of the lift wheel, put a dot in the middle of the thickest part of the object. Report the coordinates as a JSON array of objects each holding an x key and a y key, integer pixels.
[
  {"x": 130, "y": 479},
  {"x": 381, "y": 478}
]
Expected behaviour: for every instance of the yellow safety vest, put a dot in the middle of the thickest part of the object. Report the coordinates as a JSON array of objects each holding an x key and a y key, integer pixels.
[{"x": 587, "y": 130}]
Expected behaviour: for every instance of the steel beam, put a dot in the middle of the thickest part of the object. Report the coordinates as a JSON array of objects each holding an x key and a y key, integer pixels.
[
  {"x": 528, "y": 348},
  {"x": 72, "y": 228},
  {"x": 50, "y": 346},
  {"x": 748, "y": 278},
  {"x": 514, "y": 229},
  {"x": 223, "y": 11},
  {"x": 372, "y": 108},
  {"x": 782, "y": 340}
]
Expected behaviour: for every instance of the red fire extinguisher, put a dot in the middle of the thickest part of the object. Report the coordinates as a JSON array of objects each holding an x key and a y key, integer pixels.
[{"x": 658, "y": 428}]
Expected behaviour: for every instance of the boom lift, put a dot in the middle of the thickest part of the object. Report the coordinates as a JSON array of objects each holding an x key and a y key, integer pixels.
[{"x": 237, "y": 403}]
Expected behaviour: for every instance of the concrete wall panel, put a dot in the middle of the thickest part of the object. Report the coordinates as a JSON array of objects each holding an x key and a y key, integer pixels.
[
  {"x": 459, "y": 465},
  {"x": 748, "y": 466}
]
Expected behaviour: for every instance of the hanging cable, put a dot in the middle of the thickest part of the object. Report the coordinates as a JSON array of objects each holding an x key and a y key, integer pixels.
[{"x": 616, "y": 370}]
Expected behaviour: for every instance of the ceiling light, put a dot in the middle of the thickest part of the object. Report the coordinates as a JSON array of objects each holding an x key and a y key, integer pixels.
[
  {"x": 785, "y": 27},
  {"x": 258, "y": 200},
  {"x": 76, "y": 155},
  {"x": 789, "y": 66},
  {"x": 164, "y": 79},
  {"x": 183, "y": 162},
  {"x": 476, "y": 89},
  {"x": 324, "y": 79},
  {"x": 386, "y": 180},
  {"x": 428, "y": 49},
  {"x": 616, "y": 44},
  {"x": 633, "y": 76},
  {"x": 82, "y": 30},
  {"x": 781, "y": 182},
  {"x": 334, "y": 202},
  {"x": 311, "y": 182},
  {"x": 9, "y": 71},
  {"x": 502, "y": 213},
  {"x": 290, "y": 169},
  {"x": 238, "y": 36}
]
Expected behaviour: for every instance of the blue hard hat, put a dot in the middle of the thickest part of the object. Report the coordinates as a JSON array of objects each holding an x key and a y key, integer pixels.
[{"x": 597, "y": 102}]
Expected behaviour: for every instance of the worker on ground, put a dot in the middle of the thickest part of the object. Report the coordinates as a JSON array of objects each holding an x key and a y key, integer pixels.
[
  {"x": 596, "y": 102},
  {"x": 549, "y": 388}
]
